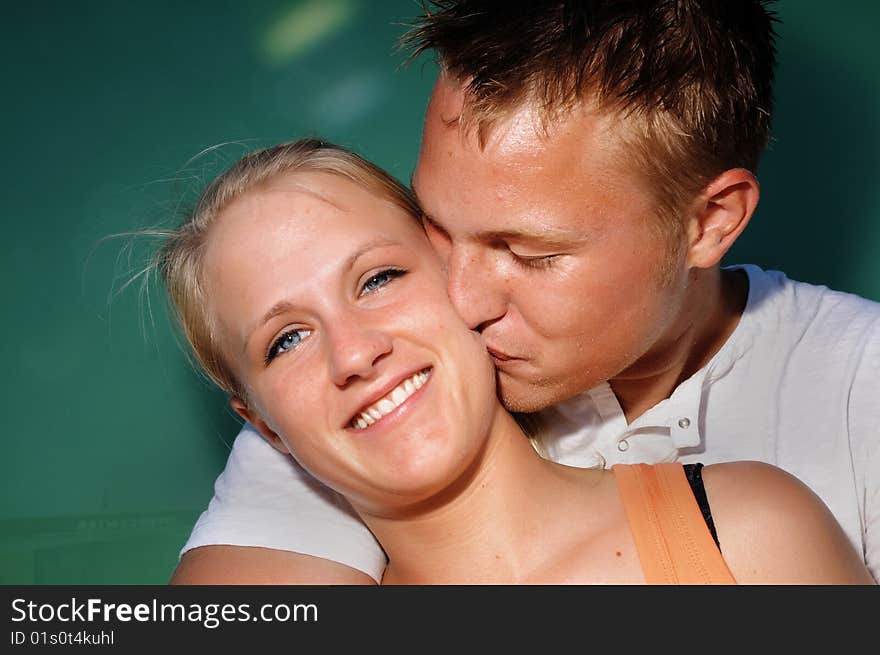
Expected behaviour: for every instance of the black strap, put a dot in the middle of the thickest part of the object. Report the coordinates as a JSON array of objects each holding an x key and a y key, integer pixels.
[{"x": 694, "y": 475}]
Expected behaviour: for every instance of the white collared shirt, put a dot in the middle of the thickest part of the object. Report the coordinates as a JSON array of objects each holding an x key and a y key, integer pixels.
[{"x": 796, "y": 385}]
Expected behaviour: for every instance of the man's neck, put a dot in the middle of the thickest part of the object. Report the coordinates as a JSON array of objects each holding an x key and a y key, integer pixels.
[{"x": 715, "y": 302}]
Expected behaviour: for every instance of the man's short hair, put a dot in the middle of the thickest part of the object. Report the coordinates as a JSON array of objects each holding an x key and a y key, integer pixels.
[{"x": 692, "y": 78}]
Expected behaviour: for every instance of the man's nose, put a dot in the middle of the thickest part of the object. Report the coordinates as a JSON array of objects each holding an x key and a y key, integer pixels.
[
  {"x": 477, "y": 289},
  {"x": 355, "y": 350}
]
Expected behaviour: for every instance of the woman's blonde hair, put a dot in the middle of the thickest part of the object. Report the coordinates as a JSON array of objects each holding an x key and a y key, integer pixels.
[{"x": 180, "y": 259}]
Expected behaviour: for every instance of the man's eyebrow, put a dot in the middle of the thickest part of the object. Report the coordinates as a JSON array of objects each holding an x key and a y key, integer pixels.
[
  {"x": 544, "y": 237},
  {"x": 283, "y": 306},
  {"x": 548, "y": 237}
]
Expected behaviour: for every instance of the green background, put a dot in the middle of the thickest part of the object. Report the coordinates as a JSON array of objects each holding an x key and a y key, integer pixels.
[{"x": 111, "y": 442}]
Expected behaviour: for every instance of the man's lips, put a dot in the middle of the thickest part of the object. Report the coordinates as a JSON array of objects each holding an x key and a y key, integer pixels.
[{"x": 500, "y": 355}]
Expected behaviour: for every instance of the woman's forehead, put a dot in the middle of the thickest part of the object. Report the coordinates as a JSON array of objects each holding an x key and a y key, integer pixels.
[
  {"x": 320, "y": 195},
  {"x": 296, "y": 215}
]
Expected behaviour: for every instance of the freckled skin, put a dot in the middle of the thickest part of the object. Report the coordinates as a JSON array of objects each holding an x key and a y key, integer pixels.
[
  {"x": 448, "y": 478},
  {"x": 602, "y": 308},
  {"x": 285, "y": 242}
]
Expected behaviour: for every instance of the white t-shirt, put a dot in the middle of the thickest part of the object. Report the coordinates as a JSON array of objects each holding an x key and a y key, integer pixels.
[{"x": 796, "y": 385}]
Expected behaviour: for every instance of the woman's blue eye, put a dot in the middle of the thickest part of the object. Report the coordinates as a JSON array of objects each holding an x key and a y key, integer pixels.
[
  {"x": 287, "y": 341},
  {"x": 380, "y": 279}
]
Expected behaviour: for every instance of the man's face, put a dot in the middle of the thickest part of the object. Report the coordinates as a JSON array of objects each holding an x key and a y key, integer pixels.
[{"x": 551, "y": 248}]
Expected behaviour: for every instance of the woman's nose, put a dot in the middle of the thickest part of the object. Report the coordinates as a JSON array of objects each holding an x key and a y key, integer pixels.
[{"x": 355, "y": 351}]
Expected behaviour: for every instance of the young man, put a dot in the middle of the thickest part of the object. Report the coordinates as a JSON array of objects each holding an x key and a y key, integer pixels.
[{"x": 584, "y": 168}]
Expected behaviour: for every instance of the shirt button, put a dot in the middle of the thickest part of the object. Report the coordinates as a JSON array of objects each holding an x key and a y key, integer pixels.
[
  {"x": 684, "y": 423},
  {"x": 623, "y": 445}
]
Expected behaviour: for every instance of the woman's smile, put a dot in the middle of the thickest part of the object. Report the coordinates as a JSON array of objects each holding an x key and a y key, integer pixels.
[
  {"x": 378, "y": 411},
  {"x": 353, "y": 355}
]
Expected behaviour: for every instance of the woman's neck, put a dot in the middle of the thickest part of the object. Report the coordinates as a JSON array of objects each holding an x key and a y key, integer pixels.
[{"x": 498, "y": 526}]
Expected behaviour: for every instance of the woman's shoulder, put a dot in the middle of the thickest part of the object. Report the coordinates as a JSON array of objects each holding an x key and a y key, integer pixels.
[
  {"x": 773, "y": 529},
  {"x": 758, "y": 478}
]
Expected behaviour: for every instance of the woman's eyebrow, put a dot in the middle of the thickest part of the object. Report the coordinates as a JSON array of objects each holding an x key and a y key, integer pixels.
[
  {"x": 278, "y": 308},
  {"x": 372, "y": 244}
]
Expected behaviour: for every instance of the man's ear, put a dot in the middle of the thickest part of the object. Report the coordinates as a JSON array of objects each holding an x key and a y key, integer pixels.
[
  {"x": 254, "y": 419},
  {"x": 721, "y": 213}
]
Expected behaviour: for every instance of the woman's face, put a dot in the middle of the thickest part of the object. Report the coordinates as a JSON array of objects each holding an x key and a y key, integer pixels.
[{"x": 332, "y": 310}]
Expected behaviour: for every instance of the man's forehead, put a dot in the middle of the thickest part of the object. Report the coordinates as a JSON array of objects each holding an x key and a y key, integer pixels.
[
  {"x": 501, "y": 132},
  {"x": 522, "y": 128}
]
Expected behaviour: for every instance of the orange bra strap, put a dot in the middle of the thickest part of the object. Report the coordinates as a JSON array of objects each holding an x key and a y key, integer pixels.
[{"x": 671, "y": 536}]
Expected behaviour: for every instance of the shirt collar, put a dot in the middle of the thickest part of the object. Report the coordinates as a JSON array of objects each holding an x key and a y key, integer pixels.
[
  {"x": 594, "y": 420},
  {"x": 682, "y": 411}
]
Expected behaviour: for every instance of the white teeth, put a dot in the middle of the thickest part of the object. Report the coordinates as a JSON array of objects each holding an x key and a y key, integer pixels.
[
  {"x": 390, "y": 402},
  {"x": 398, "y": 396}
]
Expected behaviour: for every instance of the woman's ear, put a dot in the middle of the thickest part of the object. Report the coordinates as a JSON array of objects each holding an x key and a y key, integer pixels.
[
  {"x": 723, "y": 211},
  {"x": 254, "y": 419}
]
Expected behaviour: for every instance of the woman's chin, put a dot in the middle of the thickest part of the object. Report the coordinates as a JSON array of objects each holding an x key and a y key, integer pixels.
[{"x": 414, "y": 489}]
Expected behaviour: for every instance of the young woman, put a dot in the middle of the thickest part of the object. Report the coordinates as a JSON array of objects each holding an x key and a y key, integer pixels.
[{"x": 309, "y": 292}]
